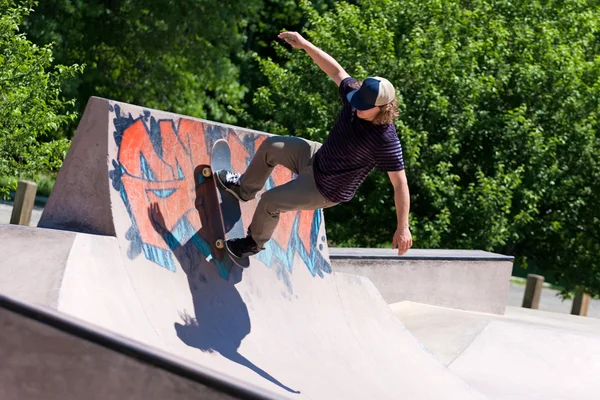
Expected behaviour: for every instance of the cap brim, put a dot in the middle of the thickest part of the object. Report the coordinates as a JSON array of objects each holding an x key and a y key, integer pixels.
[{"x": 356, "y": 102}]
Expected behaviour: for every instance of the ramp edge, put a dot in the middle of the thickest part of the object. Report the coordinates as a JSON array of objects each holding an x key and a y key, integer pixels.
[{"x": 133, "y": 349}]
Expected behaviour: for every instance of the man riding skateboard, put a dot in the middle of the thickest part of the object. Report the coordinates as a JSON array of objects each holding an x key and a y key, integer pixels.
[{"x": 363, "y": 137}]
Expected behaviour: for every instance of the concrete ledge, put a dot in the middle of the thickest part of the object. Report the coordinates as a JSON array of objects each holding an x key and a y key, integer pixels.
[
  {"x": 417, "y": 254},
  {"x": 471, "y": 280}
]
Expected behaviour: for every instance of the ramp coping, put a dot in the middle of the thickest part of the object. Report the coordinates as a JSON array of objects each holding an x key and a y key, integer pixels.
[{"x": 416, "y": 254}]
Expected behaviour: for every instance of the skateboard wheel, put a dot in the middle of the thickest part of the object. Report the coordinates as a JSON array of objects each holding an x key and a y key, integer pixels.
[
  {"x": 220, "y": 244},
  {"x": 206, "y": 172}
]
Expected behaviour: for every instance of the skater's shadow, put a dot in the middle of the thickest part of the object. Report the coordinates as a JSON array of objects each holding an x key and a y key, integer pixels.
[{"x": 221, "y": 318}]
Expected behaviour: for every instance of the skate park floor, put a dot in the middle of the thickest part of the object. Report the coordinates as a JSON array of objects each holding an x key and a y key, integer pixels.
[{"x": 537, "y": 353}]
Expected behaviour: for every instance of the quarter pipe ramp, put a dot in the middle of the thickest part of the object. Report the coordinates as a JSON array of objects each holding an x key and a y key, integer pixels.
[{"x": 123, "y": 245}]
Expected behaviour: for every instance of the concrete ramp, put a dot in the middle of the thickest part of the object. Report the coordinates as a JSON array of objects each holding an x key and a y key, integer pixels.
[
  {"x": 51, "y": 356},
  {"x": 139, "y": 262},
  {"x": 525, "y": 354}
]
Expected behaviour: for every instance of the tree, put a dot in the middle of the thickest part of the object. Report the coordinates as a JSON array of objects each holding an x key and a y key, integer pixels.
[
  {"x": 181, "y": 56},
  {"x": 273, "y": 17},
  {"x": 31, "y": 106},
  {"x": 499, "y": 103}
]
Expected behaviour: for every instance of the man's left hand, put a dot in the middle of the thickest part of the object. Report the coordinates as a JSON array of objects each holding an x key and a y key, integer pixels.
[{"x": 402, "y": 240}]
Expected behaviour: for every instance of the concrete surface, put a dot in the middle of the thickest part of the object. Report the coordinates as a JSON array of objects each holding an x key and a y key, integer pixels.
[
  {"x": 525, "y": 354},
  {"x": 510, "y": 361},
  {"x": 6, "y": 211},
  {"x": 26, "y": 256},
  {"x": 282, "y": 347},
  {"x": 549, "y": 302},
  {"x": 416, "y": 254},
  {"x": 49, "y": 356},
  {"x": 80, "y": 199},
  {"x": 287, "y": 324},
  {"x": 463, "y": 279}
]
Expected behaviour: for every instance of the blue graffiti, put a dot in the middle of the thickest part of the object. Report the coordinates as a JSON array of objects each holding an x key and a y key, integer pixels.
[
  {"x": 162, "y": 193},
  {"x": 314, "y": 260}
]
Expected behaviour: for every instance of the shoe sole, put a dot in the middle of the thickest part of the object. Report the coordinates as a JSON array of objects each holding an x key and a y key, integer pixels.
[
  {"x": 229, "y": 190},
  {"x": 235, "y": 256},
  {"x": 230, "y": 252}
]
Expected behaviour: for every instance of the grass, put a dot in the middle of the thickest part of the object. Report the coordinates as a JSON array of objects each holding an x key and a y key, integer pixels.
[
  {"x": 45, "y": 183},
  {"x": 523, "y": 282}
]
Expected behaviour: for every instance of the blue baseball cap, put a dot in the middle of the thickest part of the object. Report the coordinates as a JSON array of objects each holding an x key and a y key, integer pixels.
[{"x": 374, "y": 92}]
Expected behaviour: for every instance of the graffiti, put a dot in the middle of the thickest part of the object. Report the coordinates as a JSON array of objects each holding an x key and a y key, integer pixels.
[
  {"x": 155, "y": 174},
  {"x": 155, "y": 165},
  {"x": 283, "y": 257}
]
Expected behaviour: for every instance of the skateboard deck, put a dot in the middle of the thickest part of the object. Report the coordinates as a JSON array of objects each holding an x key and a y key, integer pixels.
[{"x": 227, "y": 205}]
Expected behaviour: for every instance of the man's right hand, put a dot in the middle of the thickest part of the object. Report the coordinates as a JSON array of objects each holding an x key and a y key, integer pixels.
[
  {"x": 322, "y": 59},
  {"x": 294, "y": 39}
]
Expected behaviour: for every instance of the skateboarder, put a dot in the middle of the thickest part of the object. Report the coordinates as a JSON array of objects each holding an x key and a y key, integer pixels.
[{"x": 363, "y": 137}]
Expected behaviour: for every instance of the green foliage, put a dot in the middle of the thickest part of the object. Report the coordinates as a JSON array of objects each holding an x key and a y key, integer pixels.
[
  {"x": 499, "y": 104},
  {"x": 261, "y": 32},
  {"x": 31, "y": 108},
  {"x": 180, "y": 56},
  {"x": 45, "y": 183}
]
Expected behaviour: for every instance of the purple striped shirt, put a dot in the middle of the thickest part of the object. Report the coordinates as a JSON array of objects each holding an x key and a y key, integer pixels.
[{"x": 353, "y": 148}]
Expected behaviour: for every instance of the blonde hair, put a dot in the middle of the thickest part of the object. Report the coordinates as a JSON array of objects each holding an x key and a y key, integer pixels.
[{"x": 387, "y": 113}]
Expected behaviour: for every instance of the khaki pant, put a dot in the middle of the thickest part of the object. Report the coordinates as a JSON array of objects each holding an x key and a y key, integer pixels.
[{"x": 301, "y": 193}]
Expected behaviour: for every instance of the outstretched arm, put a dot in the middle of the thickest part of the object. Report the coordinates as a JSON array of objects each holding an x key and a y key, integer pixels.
[
  {"x": 402, "y": 237},
  {"x": 322, "y": 59}
]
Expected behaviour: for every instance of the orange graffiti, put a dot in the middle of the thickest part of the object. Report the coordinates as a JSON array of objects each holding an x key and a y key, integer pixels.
[{"x": 162, "y": 172}]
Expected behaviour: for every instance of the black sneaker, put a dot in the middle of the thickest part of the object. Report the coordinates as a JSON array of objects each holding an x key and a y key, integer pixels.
[
  {"x": 230, "y": 181},
  {"x": 242, "y": 247}
]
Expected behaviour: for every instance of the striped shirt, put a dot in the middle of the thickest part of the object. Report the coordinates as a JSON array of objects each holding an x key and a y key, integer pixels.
[{"x": 353, "y": 148}]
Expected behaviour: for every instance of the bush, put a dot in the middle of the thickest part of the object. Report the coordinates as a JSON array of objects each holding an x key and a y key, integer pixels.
[{"x": 31, "y": 108}]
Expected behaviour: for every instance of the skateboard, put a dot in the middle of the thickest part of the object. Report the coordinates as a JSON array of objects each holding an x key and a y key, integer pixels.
[{"x": 227, "y": 205}]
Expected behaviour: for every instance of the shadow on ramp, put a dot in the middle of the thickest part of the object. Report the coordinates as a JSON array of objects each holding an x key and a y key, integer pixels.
[
  {"x": 221, "y": 318},
  {"x": 208, "y": 338}
]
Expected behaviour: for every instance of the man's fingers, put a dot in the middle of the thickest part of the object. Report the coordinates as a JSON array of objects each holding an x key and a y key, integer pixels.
[
  {"x": 287, "y": 36},
  {"x": 294, "y": 39},
  {"x": 402, "y": 243},
  {"x": 406, "y": 244},
  {"x": 401, "y": 250}
]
